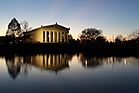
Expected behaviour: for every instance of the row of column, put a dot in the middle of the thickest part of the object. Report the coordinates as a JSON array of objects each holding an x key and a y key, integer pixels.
[{"x": 52, "y": 37}]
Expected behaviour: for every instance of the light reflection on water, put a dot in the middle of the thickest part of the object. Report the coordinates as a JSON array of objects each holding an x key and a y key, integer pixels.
[{"x": 69, "y": 73}]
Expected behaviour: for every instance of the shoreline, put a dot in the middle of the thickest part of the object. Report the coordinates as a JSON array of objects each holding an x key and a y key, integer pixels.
[{"x": 73, "y": 48}]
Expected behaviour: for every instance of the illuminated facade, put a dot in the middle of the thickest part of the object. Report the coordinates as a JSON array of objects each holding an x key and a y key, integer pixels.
[{"x": 48, "y": 34}]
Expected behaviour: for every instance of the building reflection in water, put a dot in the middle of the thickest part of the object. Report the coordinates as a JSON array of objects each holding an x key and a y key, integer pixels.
[{"x": 51, "y": 62}]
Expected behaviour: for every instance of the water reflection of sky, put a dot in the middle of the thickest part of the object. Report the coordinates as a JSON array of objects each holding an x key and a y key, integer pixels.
[{"x": 69, "y": 73}]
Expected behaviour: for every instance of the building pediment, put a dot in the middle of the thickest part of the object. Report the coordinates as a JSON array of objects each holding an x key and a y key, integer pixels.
[{"x": 51, "y": 27}]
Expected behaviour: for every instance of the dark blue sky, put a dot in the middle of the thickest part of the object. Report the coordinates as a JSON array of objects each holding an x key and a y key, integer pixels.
[{"x": 112, "y": 16}]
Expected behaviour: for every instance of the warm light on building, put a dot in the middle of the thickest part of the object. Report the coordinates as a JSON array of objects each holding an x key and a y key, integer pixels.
[{"x": 48, "y": 34}]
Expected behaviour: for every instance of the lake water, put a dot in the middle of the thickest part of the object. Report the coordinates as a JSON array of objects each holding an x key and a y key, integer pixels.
[{"x": 68, "y": 73}]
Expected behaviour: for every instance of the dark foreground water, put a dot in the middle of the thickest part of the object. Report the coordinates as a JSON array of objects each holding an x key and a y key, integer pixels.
[{"x": 67, "y": 73}]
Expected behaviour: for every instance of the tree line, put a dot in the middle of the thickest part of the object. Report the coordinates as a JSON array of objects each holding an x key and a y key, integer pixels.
[
  {"x": 89, "y": 36},
  {"x": 93, "y": 35}
]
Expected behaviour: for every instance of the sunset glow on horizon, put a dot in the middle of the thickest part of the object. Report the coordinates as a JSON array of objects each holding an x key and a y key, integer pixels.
[{"x": 113, "y": 17}]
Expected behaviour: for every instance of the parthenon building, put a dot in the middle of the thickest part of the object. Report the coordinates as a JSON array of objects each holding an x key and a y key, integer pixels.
[{"x": 48, "y": 34}]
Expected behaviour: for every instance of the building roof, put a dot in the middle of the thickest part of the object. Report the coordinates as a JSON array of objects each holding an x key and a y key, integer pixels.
[{"x": 49, "y": 26}]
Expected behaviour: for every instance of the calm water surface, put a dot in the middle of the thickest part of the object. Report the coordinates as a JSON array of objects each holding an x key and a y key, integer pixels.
[{"x": 67, "y": 73}]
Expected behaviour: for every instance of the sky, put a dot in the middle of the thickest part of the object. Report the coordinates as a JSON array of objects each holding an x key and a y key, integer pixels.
[{"x": 113, "y": 17}]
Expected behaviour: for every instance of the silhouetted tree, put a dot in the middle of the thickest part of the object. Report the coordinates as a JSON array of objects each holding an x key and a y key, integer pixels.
[
  {"x": 72, "y": 40},
  {"x": 14, "y": 29},
  {"x": 90, "y": 34},
  {"x": 70, "y": 37},
  {"x": 134, "y": 35},
  {"x": 119, "y": 39},
  {"x": 13, "y": 32},
  {"x": 25, "y": 26},
  {"x": 101, "y": 39}
]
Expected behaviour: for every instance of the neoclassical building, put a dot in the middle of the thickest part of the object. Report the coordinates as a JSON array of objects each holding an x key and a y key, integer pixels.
[{"x": 48, "y": 34}]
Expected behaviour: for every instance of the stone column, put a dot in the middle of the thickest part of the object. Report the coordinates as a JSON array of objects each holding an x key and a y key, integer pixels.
[
  {"x": 57, "y": 36},
  {"x": 45, "y": 36},
  {"x": 53, "y": 37},
  {"x": 49, "y": 36},
  {"x": 60, "y": 36}
]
